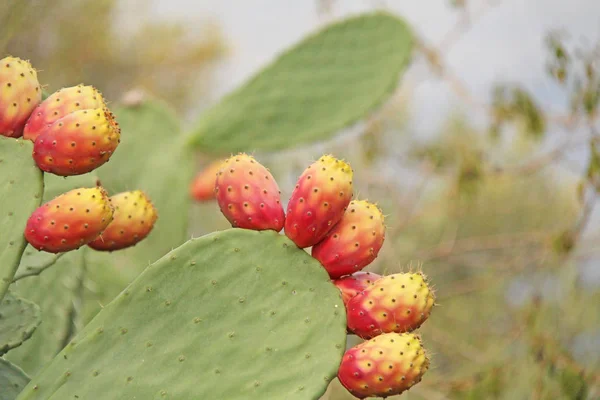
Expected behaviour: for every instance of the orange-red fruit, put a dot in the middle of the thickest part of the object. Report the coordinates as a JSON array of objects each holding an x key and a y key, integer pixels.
[
  {"x": 134, "y": 218},
  {"x": 70, "y": 221},
  {"x": 395, "y": 303},
  {"x": 202, "y": 187},
  {"x": 60, "y": 104},
  {"x": 319, "y": 200},
  {"x": 384, "y": 366},
  {"x": 352, "y": 285},
  {"x": 78, "y": 142},
  {"x": 20, "y": 93},
  {"x": 248, "y": 195},
  {"x": 354, "y": 242}
]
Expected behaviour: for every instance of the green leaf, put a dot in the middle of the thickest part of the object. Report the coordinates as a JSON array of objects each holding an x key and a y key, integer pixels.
[
  {"x": 328, "y": 81},
  {"x": 12, "y": 380},
  {"x": 21, "y": 186},
  {"x": 237, "y": 314},
  {"x": 18, "y": 320}
]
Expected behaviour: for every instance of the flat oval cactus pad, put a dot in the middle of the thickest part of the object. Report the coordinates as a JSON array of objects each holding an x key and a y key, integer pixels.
[{"x": 236, "y": 314}]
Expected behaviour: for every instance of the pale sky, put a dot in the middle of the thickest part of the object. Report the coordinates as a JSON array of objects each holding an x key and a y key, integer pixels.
[{"x": 504, "y": 45}]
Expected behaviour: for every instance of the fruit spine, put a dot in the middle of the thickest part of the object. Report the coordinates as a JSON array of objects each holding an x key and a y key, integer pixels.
[{"x": 20, "y": 93}]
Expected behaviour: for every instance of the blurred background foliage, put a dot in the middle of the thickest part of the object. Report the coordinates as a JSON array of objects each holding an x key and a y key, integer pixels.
[
  {"x": 103, "y": 42},
  {"x": 497, "y": 215}
]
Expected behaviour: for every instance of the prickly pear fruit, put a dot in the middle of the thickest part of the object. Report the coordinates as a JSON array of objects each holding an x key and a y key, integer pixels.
[
  {"x": 70, "y": 221},
  {"x": 354, "y": 242},
  {"x": 248, "y": 194},
  {"x": 77, "y": 143},
  {"x": 384, "y": 366},
  {"x": 60, "y": 104},
  {"x": 134, "y": 218},
  {"x": 395, "y": 303},
  {"x": 20, "y": 93},
  {"x": 352, "y": 285},
  {"x": 202, "y": 187},
  {"x": 318, "y": 203}
]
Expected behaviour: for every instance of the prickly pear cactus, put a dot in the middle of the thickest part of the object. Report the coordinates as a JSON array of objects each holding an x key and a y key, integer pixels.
[
  {"x": 152, "y": 158},
  {"x": 12, "y": 380},
  {"x": 18, "y": 320},
  {"x": 325, "y": 83},
  {"x": 21, "y": 189},
  {"x": 217, "y": 315}
]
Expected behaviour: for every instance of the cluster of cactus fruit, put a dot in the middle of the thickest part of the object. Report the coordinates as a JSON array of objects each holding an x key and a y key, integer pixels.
[
  {"x": 345, "y": 236},
  {"x": 73, "y": 132}
]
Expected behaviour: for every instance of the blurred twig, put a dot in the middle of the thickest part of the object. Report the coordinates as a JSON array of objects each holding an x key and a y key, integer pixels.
[
  {"x": 32, "y": 271},
  {"x": 491, "y": 242}
]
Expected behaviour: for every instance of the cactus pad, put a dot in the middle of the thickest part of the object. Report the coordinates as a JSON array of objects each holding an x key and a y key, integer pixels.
[
  {"x": 18, "y": 320},
  {"x": 21, "y": 186},
  {"x": 325, "y": 83},
  {"x": 236, "y": 314},
  {"x": 12, "y": 380}
]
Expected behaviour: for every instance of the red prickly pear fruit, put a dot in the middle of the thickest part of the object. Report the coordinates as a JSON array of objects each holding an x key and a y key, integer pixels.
[
  {"x": 354, "y": 242},
  {"x": 384, "y": 366},
  {"x": 352, "y": 285},
  {"x": 20, "y": 93},
  {"x": 202, "y": 187},
  {"x": 248, "y": 195},
  {"x": 70, "y": 221},
  {"x": 395, "y": 303},
  {"x": 77, "y": 143},
  {"x": 319, "y": 200},
  {"x": 59, "y": 105},
  {"x": 134, "y": 218}
]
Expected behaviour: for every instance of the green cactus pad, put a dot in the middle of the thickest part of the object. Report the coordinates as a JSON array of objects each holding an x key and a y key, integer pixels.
[
  {"x": 12, "y": 380},
  {"x": 21, "y": 187},
  {"x": 18, "y": 320},
  {"x": 236, "y": 314},
  {"x": 58, "y": 291},
  {"x": 325, "y": 83}
]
